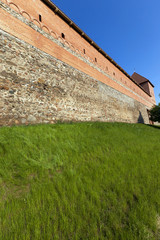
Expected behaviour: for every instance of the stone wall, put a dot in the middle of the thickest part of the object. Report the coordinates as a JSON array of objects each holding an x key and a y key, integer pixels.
[{"x": 36, "y": 87}]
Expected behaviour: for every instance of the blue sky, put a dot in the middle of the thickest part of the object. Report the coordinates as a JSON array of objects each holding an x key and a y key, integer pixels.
[{"x": 128, "y": 31}]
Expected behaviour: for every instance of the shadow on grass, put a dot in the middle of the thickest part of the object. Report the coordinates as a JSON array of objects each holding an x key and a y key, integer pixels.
[{"x": 153, "y": 126}]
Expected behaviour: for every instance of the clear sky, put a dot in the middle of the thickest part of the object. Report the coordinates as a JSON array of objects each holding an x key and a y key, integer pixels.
[{"x": 127, "y": 30}]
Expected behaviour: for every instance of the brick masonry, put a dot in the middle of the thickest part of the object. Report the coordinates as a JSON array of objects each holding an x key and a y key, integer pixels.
[{"x": 37, "y": 86}]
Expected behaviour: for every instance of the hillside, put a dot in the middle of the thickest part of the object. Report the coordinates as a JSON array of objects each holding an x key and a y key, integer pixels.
[{"x": 80, "y": 181}]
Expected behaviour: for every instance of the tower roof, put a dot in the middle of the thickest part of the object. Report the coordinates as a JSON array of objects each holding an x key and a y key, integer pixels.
[{"x": 140, "y": 79}]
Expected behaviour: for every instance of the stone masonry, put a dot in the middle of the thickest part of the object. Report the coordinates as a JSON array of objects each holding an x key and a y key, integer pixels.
[{"x": 37, "y": 88}]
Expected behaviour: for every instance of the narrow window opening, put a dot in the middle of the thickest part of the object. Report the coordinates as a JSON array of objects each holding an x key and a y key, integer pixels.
[
  {"x": 84, "y": 51},
  {"x": 62, "y": 34},
  {"x": 106, "y": 68},
  {"x": 40, "y": 18},
  {"x": 114, "y": 73},
  {"x": 95, "y": 59}
]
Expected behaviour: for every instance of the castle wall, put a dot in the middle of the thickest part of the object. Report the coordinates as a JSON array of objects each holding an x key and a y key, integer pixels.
[
  {"x": 42, "y": 79},
  {"x": 36, "y": 88},
  {"x": 54, "y": 25}
]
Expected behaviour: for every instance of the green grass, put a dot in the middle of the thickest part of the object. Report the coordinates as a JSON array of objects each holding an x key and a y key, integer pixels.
[{"x": 80, "y": 181}]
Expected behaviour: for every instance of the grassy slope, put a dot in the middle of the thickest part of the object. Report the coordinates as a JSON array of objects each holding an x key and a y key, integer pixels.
[{"x": 80, "y": 181}]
